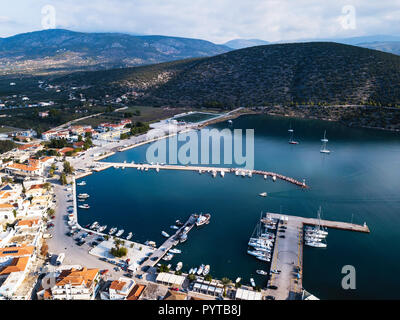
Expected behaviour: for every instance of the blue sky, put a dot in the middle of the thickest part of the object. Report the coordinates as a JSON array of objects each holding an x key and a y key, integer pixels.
[{"x": 214, "y": 20}]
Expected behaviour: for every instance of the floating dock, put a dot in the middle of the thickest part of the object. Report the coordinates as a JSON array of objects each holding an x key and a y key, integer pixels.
[{"x": 288, "y": 253}]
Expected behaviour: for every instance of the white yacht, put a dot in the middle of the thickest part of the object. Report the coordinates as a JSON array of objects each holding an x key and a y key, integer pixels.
[{"x": 324, "y": 142}]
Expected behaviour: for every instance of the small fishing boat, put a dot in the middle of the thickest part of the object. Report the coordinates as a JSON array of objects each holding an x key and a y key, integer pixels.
[
  {"x": 253, "y": 283},
  {"x": 200, "y": 270},
  {"x": 112, "y": 231},
  {"x": 179, "y": 223},
  {"x": 84, "y": 206},
  {"x": 274, "y": 178},
  {"x": 129, "y": 236},
  {"x": 83, "y": 196},
  {"x": 94, "y": 225},
  {"x": 191, "y": 271},
  {"x": 168, "y": 257},
  {"x": 203, "y": 219},
  {"x": 238, "y": 280},
  {"x": 83, "y": 183},
  {"x": 175, "y": 250},
  {"x": 174, "y": 227},
  {"x": 194, "y": 271},
  {"x": 206, "y": 270},
  {"x": 102, "y": 228},
  {"x": 262, "y": 272},
  {"x": 179, "y": 266},
  {"x": 120, "y": 232},
  {"x": 165, "y": 234}
]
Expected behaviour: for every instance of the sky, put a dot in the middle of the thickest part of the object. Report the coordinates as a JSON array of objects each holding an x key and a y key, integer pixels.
[{"x": 214, "y": 20}]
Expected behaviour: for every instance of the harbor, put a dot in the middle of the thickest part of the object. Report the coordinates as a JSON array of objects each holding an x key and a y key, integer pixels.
[{"x": 287, "y": 284}]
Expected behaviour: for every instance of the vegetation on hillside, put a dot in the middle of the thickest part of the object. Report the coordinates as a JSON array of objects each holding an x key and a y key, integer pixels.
[{"x": 293, "y": 74}]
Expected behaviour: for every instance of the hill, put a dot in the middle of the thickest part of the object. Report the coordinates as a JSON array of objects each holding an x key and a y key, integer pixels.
[
  {"x": 299, "y": 73},
  {"x": 63, "y": 50}
]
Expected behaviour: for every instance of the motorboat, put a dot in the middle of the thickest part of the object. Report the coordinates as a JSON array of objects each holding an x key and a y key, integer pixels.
[
  {"x": 263, "y": 194},
  {"x": 84, "y": 206},
  {"x": 179, "y": 266},
  {"x": 174, "y": 227},
  {"x": 112, "y": 231},
  {"x": 83, "y": 183},
  {"x": 176, "y": 251},
  {"x": 119, "y": 233},
  {"x": 129, "y": 236},
  {"x": 206, "y": 270},
  {"x": 203, "y": 219},
  {"x": 102, "y": 228},
  {"x": 168, "y": 257},
  {"x": 253, "y": 283},
  {"x": 238, "y": 280},
  {"x": 262, "y": 272},
  {"x": 200, "y": 270},
  {"x": 191, "y": 271},
  {"x": 165, "y": 234},
  {"x": 83, "y": 196},
  {"x": 94, "y": 225}
]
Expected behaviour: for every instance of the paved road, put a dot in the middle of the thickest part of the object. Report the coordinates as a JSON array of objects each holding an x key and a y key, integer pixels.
[{"x": 74, "y": 255}]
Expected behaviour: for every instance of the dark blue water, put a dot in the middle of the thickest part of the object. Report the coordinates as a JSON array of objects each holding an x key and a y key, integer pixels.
[{"x": 359, "y": 181}]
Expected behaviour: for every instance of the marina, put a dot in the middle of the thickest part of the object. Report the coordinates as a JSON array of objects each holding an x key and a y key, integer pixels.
[{"x": 337, "y": 203}]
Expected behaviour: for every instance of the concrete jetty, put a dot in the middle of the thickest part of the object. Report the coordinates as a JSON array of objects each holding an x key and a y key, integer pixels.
[
  {"x": 107, "y": 165},
  {"x": 172, "y": 241},
  {"x": 288, "y": 253}
]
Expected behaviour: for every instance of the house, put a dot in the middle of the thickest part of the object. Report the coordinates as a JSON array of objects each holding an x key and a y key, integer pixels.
[
  {"x": 65, "y": 150},
  {"x": 120, "y": 289},
  {"x": 78, "y": 144},
  {"x": 12, "y": 276},
  {"x": 47, "y": 161},
  {"x": 31, "y": 169},
  {"x": 48, "y": 135},
  {"x": 28, "y": 223},
  {"x": 9, "y": 253},
  {"x": 7, "y": 211},
  {"x": 36, "y": 190},
  {"x": 72, "y": 284},
  {"x": 34, "y": 147}
]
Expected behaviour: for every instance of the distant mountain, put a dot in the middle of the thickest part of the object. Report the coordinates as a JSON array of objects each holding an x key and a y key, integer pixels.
[
  {"x": 299, "y": 73},
  {"x": 386, "y": 46},
  {"x": 245, "y": 43},
  {"x": 63, "y": 50}
]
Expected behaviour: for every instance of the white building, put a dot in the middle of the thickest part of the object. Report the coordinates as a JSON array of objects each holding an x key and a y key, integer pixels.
[{"x": 120, "y": 289}]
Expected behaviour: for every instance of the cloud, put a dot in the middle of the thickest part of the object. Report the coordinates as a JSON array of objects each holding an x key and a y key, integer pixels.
[{"x": 214, "y": 20}]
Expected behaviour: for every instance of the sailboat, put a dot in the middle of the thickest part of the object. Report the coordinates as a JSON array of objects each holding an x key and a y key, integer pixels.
[
  {"x": 291, "y": 140},
  {"x": 324, "y": 142}
]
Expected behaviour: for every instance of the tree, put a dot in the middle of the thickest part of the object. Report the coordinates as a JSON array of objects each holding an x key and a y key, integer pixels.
[
  {"x": 47, "y": 186},
  {"x": 68, "y": 169},
  {"x": 191, "y": 277},
  {"x": 208, "y": 277},
  {"x": 119, "y": 252},
  {"x": 63, "y": 179}
]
